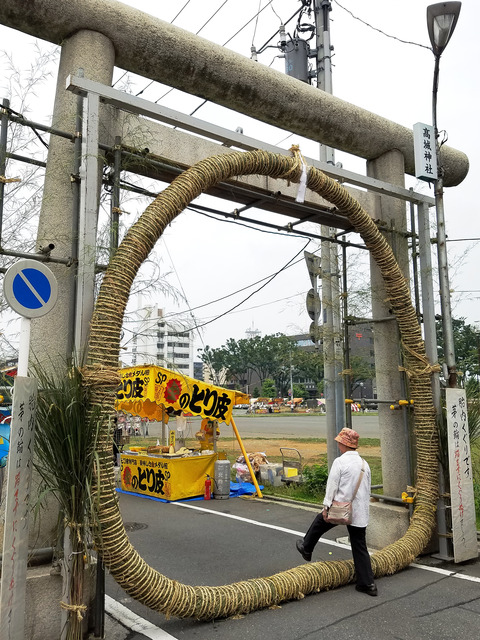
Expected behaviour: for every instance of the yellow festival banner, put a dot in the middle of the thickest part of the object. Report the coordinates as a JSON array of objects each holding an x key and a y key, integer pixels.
[{"x": 149, "y": 391}]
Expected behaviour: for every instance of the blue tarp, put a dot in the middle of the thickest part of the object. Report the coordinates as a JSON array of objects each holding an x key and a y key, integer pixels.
[
  {"x": 4, "y": 443},
  {"x": 236, "y": 490}
]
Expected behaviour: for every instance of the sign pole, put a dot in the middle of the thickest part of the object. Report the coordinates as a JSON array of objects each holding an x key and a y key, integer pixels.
[
  {"x": 24, "y": 347},
  {"x": 30, "y": 288}
]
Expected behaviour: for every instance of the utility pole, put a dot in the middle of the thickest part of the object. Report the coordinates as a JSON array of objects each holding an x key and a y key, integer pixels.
[{"x": 332, "y": 349}]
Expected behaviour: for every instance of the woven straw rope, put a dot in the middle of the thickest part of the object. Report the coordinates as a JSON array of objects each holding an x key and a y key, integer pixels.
[{"x": 132, "y": 573}]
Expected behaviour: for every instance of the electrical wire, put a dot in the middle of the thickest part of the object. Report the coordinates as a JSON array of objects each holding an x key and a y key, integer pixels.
[
  {"x": 229, "y": 40},
  {"x": 187, "y": 3},
  {"x": 265, "y": 281},
  {"x": 212, "y": 16},
  {"x": 169, "y": 316},
  {"x": 253, "y": 292},
  {"x": 184, "y": 294},
  {"x": 367, "y": 24},
  {"x": 242, "y": 224},
  {"x": 233, "y": 293},
  {"x": 263, "y": 47},
  {"x": 22, "y": 117},
  {"x": 124, "y": 184},
  {"x": 247, "y": 23},
  {"x": 256, "y": 22},
  {"x": 196, "y": 33},
  {"x": 120, "y": 78}
]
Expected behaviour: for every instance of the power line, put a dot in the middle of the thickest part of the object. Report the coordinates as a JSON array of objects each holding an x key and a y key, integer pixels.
[
  {"x": 266, "y": 280},
  {"x": 224, "y": 45},
  {"x": 212, "y": 16},
  {"x": 187, "y": 3},
  {"x": 120, "y": 78},
  {"x": 367, "y": 24},
  {"x": 256, "y": 21},
  {"x": 264, "y": 46},
  {"x": 247, "y": 23},
  {"x": 254, "y": 292},
  {"x": 184, "y": 294},
  {"x": 197, "y": 209},
  {"x": 233, "y": 293}
]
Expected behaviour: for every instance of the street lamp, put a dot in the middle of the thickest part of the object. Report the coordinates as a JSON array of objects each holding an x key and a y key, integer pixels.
[{"x": 441, "y": 21}]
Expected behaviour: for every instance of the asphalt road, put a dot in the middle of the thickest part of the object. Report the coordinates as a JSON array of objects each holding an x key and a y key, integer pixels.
[
  {"x": 299, "y": 425},
  {"x": 223, "y": 541}
]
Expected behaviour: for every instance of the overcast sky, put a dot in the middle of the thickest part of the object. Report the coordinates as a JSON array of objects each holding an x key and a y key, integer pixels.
[{"x": 371, "y": 69}]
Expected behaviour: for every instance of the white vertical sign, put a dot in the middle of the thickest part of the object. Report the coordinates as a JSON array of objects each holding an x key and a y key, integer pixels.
[
  {"x": 464, "y": 527},
  {"x": 15, "y": 541},
  {"x": 425, "y": 151}
]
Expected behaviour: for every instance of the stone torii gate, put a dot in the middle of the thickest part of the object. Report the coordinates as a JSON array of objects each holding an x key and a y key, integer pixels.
[{"x": 97, "y": 36}]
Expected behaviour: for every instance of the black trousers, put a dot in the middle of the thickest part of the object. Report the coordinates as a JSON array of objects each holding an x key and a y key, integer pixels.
[{"x": 361, "y": 557}]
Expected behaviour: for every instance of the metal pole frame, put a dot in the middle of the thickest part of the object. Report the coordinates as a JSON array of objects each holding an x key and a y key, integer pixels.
[
  {"x": 430, "y": 337},
  {"x": 88, "y": 218},
  {"x": 445, "y": 303}
]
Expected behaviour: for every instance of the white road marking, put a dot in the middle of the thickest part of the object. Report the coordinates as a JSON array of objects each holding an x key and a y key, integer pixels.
[
  {"x": 340, "y": 545},
  {"x": 136, "y": 623}
]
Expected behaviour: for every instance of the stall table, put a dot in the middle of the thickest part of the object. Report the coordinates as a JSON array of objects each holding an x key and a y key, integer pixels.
[
  {"x": 167, "y": 478},
  {"x": 155, "y": 393}
]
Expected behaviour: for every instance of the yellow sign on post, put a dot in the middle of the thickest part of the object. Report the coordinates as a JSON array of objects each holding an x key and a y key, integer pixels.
[{"x": 166, "y": 478}]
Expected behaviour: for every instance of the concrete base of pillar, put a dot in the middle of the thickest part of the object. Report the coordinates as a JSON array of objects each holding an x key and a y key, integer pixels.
[
  {"x": 42, "y": 602},
  {"x": 44, "y": 593},
  {"x": 387, "y": 524}
]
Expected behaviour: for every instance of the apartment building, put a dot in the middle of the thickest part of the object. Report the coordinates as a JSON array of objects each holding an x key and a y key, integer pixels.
[{"x": 158, "y": 340}]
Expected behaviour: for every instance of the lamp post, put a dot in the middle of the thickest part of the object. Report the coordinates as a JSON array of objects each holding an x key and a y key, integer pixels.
[{"x": 441, "y": 21}]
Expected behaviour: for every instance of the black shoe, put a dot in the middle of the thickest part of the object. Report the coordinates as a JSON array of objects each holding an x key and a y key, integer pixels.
[
  {"x": 305, "y": 555},
  {"x": 369, "y": 589}
]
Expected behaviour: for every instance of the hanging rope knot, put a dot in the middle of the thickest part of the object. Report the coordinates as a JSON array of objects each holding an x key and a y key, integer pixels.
[
  {"x": 428, "y": 368},
  {"x": 99, "y": 376},
  {"x": 79, "y": 609},
  {"x": 295, "y": 171}
]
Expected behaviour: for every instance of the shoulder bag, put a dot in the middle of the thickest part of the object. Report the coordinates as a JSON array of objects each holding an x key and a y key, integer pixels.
[{"x": 341, "y": 512}]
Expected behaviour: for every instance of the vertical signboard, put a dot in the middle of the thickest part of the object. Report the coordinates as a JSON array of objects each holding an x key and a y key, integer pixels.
[
  {"x": 464, "y": 527},
  {"x": 425, "y": 151},
  {"x": 15, "y": 541}
]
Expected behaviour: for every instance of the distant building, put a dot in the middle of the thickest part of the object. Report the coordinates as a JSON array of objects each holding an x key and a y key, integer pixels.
[
  {"x": 198, "y": 370},
  {"x": 360, "y": 337},
  {"x": 361, "y": 345},
  {"x": 162, "y": 342},
  {"x": 303, "y": 341}
]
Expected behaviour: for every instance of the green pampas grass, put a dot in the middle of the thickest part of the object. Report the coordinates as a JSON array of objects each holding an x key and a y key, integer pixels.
[{"x": 67, "y": 461}]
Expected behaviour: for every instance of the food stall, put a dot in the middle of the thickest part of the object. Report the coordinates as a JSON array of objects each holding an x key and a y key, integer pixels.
[{"x": 169, "y": 472}]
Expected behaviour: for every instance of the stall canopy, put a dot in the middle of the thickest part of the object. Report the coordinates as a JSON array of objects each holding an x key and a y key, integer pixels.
[{"x": 148, "y": 392}]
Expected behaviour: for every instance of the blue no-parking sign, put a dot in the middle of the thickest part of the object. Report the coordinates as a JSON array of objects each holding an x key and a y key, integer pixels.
[{"x": 30, "y": 288}]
